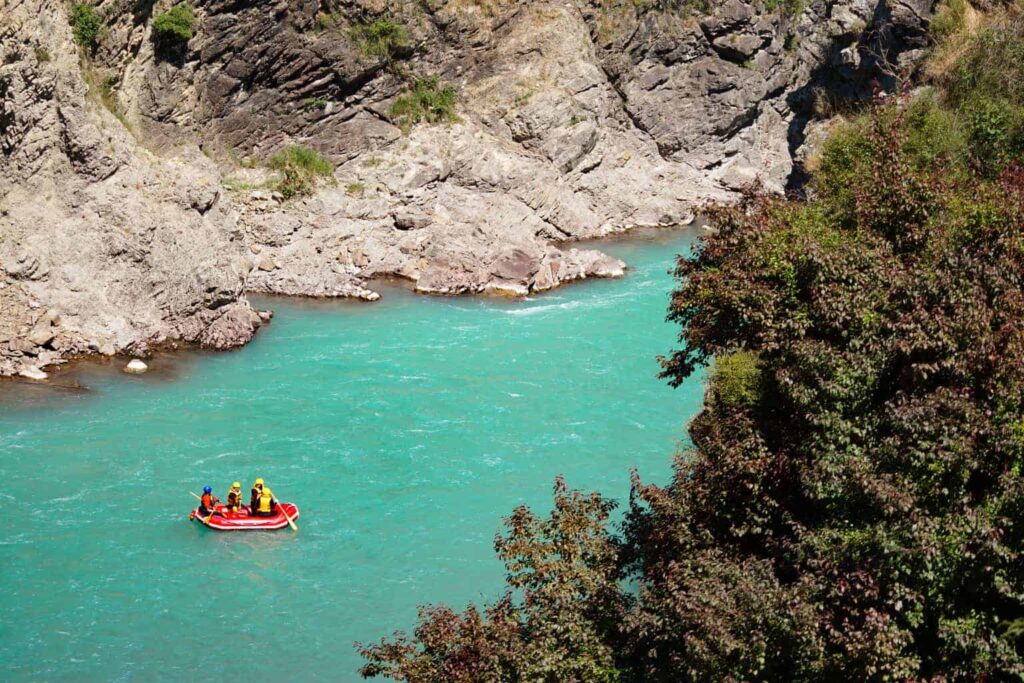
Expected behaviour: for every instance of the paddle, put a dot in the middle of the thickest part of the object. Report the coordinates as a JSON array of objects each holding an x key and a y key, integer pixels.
[{"x": 285, "y": 513}]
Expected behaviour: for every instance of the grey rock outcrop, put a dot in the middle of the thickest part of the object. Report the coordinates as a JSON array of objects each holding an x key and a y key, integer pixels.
[
  {"x": 577, "y": 119},
  {"x": 104, "y": 247}
]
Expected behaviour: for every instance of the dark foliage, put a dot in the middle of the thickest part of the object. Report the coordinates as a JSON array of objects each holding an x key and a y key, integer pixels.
[
  {"x": 559, "y": 630},
  {"x": 875, "y": 487},
  {"x": 853, "y": 506}
]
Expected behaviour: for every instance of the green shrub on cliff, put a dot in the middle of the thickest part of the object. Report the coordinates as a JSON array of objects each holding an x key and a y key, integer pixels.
[
  {"x": 986, "y": 88},
  {"x": 175, "y": 27},
  {"x": 934, "y": 136},
  {"x": 428, "y": 101},
  {"x": 950, "y": 17},
  {"x": 327, "y": 20},
  {"x": 299, "y": 168},
  {"x": 380, "y": 38},
  {"x": 85, "y": 25},
  {"x": 974, "y": 123}
]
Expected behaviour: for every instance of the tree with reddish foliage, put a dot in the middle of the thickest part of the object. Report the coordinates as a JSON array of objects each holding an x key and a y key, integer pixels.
[
  {"x": 564, "y": 569},
  {"x": 852, "y": 507},
  {"x": 871, "y": 490}
]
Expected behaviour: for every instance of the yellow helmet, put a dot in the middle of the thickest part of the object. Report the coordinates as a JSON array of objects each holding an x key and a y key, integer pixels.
[
  {"x": 236, "y": 485},
  {"x": 258, "y": 482}
]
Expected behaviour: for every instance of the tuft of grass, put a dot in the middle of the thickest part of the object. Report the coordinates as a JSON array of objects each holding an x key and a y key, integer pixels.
[
  {"x": 380, "y": 38},
  {"x": 328, "y": 20},
  {"x": 103, "y": 90},
  {"x": 934, "y": 134},
  {"x": 110, "y": 100},
  {"x": 42, "y": 54},
  {"x": 826, "y": 104},
  {"x": 299, "y": 168},
  {"x": 428, "y": 101},
  {"x": 176, "y": 26},
  {"x": 953, "y": 29},
  {"x": 991, "y": 66},
  {"x": 355, "y": 189},
  {"x": 85, "y": 25},
  {"x": 237, "y": 185},
  {"x": 950, "y": 18},
  {"x": 314, "y": 103}
]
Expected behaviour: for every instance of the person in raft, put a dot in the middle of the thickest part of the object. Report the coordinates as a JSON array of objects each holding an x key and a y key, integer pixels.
[
  {"x": 265, "y": 505},
  {"x": 235, "y": 497},
  {"x": 208, "y": 502},
  {"x": 254, "y": 495}
]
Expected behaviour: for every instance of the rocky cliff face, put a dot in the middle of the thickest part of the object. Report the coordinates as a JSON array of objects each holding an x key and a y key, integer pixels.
[{"x": 576, "y": 119}]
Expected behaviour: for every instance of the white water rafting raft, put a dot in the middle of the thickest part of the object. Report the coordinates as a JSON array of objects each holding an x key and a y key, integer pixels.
[{"x": 222, "y": 520}]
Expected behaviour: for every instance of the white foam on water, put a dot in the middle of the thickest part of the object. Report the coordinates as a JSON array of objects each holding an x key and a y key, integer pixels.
[{"x": 533, "y": 310}]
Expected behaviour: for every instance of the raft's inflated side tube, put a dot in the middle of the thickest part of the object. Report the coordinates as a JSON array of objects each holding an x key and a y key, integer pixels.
[{"x": 243, "y": 521}]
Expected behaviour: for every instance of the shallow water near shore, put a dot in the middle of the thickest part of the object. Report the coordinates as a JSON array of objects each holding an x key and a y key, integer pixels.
[{"x": 404, "y": 430}]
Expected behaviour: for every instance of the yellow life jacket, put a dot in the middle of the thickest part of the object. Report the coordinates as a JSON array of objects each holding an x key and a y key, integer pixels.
[{"x": 265, "y": 499}]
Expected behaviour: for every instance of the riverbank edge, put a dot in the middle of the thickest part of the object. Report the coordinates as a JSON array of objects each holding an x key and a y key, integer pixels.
[{"x": 63, "y": 365}]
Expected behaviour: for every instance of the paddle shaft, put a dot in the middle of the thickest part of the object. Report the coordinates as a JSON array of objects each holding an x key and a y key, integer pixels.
[{"x": 285, "y": 513}]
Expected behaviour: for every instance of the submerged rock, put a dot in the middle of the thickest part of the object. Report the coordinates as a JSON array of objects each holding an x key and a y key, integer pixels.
[
  {"x": 609, "y": 267},
  {"x": 505, "y": 288},
  {"x": 136, "y": 367},
  {"x": 34, "y": 373}
]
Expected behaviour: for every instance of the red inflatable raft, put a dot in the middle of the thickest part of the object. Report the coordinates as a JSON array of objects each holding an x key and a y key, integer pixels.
[{"x": 223, "y": 520}]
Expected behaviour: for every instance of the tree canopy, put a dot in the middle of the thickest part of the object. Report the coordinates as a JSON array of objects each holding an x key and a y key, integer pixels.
[{"x": 852, "y": 507}]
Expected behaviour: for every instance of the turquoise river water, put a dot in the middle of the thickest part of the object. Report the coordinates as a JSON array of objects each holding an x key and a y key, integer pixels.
[{"x": 404, "y": 430}]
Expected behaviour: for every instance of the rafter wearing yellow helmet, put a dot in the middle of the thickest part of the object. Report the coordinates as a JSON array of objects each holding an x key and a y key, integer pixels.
[
  {"x": 266, "y": 506},
  {"x": 235, "y": 497},
  {"x": 254, "y": 496}
]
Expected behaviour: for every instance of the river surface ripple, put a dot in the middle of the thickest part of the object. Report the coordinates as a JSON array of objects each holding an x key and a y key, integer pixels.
[{"x": 404, "y": 430}]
